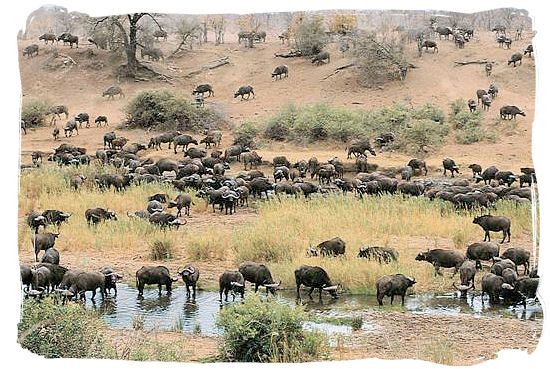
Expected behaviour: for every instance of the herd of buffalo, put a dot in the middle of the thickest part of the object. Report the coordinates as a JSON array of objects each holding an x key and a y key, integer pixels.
[
  {"x": 206, "y": 175},
  {"x": 197, "y": 173}
]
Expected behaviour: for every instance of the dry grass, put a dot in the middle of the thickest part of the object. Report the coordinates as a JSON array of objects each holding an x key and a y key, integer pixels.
[{"x": 279, "y": 235}]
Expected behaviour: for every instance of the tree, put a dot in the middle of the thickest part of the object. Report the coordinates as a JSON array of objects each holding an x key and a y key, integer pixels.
[
  {"x": 309, "y": 34},
  {"x": 250, "y": 25},
  {"x": 379, "y": 58},
  {"x": 187, "y": 32},
  {"x": 128, "y": 26},
  {"x": 218, "y": 25},
  {"x": 342, "y": 24}
]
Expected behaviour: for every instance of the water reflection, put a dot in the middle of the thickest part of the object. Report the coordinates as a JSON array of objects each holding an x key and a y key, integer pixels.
[{"x": 182, "y": 313}]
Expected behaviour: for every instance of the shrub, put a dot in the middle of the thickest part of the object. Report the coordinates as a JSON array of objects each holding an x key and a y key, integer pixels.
[
  {"x": 246, "y": 135},
  {"x": 429, "y": 111},
  {"x": 34, "y": 112},
  {"x": 310, "y": 35},
  {"x": 55, "y": 331},
  {"x": 378, "y": 58},
  {"x": 162, "y": 110},
  {"x": 161, "y": 250},
  {"x": 356, "y": 323},
  {"x": 457, "y": 106},
  {"x": 318, "y": 122},
  {"x": 265, "y": 331},
  {"x": 422, "y": 135},
  {"x": 468, "y": 126}
]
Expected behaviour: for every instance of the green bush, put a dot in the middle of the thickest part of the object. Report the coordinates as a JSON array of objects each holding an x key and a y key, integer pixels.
[
  {"x": 457, "y": 106},
  {"x": 468, "y": 125},
  {"x": 246, "y": 135},
  {"x": 55, "y": 331},
  {"x": 34, "y": 112},
  {"x": 422, "y": 135},
  {"x": 310, "y": 35},
  {"x": 309, "y": 123},
  {"x": 265, "y": 331},
  {"x": 429, "y": 111},
  {"x": 162, "y": 110}
]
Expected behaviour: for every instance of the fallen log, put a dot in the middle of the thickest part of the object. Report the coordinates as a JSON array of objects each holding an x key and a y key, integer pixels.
[
  {"x": 67, "y": 57},
  {"x": 485, "y": 61},
  {"x": 212, "y": 65},
  {"x": 337, "y": 70},
  {"x": 290, "y": 54}
]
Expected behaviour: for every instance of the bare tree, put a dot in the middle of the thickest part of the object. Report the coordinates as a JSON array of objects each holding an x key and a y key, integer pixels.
[
  {"x": 187, "y": 32},
  {"x": 379, "y": 58},
  {"x": 250, "y": 24},
  {"x": 218, "y": 25},
  {"x": 128, "y": 26}
]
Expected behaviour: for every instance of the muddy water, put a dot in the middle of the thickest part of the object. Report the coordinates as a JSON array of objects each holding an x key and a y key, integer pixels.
[{"x": 177, "y": 312}]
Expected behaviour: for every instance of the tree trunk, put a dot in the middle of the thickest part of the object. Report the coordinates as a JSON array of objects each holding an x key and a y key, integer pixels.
[
  {"x": 204, "y": 33},
  {"x": 132, "y": 63}
]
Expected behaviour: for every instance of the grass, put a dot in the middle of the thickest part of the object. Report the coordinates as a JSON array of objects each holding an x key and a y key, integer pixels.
[
  {"x": 387, "y": 220},
  {"x": 279, "y": 235}
]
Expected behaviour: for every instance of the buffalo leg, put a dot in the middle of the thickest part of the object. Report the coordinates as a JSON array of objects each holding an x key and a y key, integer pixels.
[
  {"x": 403, "y": 300},
  {"x": 320, "y": 294},
  {"x": 160, "y": 289},
  {"x": 310, "y": 292},
  {"x": 504, "y": 237},
  {"x": 221, "y": 294},
  {"x": 391, "y": 300},
  {"x": 298, "y": 291},
  {"x": 487, "y": 237}
]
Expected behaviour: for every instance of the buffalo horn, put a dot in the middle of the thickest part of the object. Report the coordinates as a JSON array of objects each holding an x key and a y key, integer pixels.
[{"x": 331, "y": 288}]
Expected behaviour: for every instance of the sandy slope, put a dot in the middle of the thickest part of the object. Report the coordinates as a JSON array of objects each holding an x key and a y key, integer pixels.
[{"x": 435, "y": 80}]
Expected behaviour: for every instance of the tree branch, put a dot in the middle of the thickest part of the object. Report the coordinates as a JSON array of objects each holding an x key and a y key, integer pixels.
[{"x": 154, "y": 19}]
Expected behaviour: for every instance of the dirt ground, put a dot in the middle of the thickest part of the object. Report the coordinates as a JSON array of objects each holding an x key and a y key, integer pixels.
[
  {"x": 436, "y": 79},
  {"x": 398, "y": 335}
]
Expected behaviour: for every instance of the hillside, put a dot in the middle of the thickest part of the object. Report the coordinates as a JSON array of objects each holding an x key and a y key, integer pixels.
[{"x": 436, "y": 79}]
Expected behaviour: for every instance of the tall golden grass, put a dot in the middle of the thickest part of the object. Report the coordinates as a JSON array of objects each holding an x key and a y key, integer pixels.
[{"x": 279, "y": 235}]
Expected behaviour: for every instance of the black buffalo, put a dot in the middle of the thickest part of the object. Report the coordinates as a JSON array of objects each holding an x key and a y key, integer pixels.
[
  {"x": 393, "y": 285},
  {"x": 159, "y": 275},
  {"x": 491, "y": 223},
  {"x": 190, "y": 275},
  {"x": 231, "y": 281},
  {"x": 440, "y": 258},
  {"x": 478, "y": 251},
  {"x": 314, "y": 277},
  {"x": 258, "y": 274}
]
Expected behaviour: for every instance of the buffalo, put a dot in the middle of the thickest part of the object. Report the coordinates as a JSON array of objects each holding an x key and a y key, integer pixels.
[
  {"x": 231, "y": 281},
  {"x": 314, "y": 277},
  {"x": 258, "y": 274},
  {"x": 494, "y": 224},
  {"x": 482, "y": 251},
  {"x": 393, "y": 285},
  {"x": 440, "y": 258},
  {"x": 467, "y": 272},
  {"x": 519, "y": 257},
  {"x": 159, "y": 275},
  {"x": 190, "y": 275}
]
